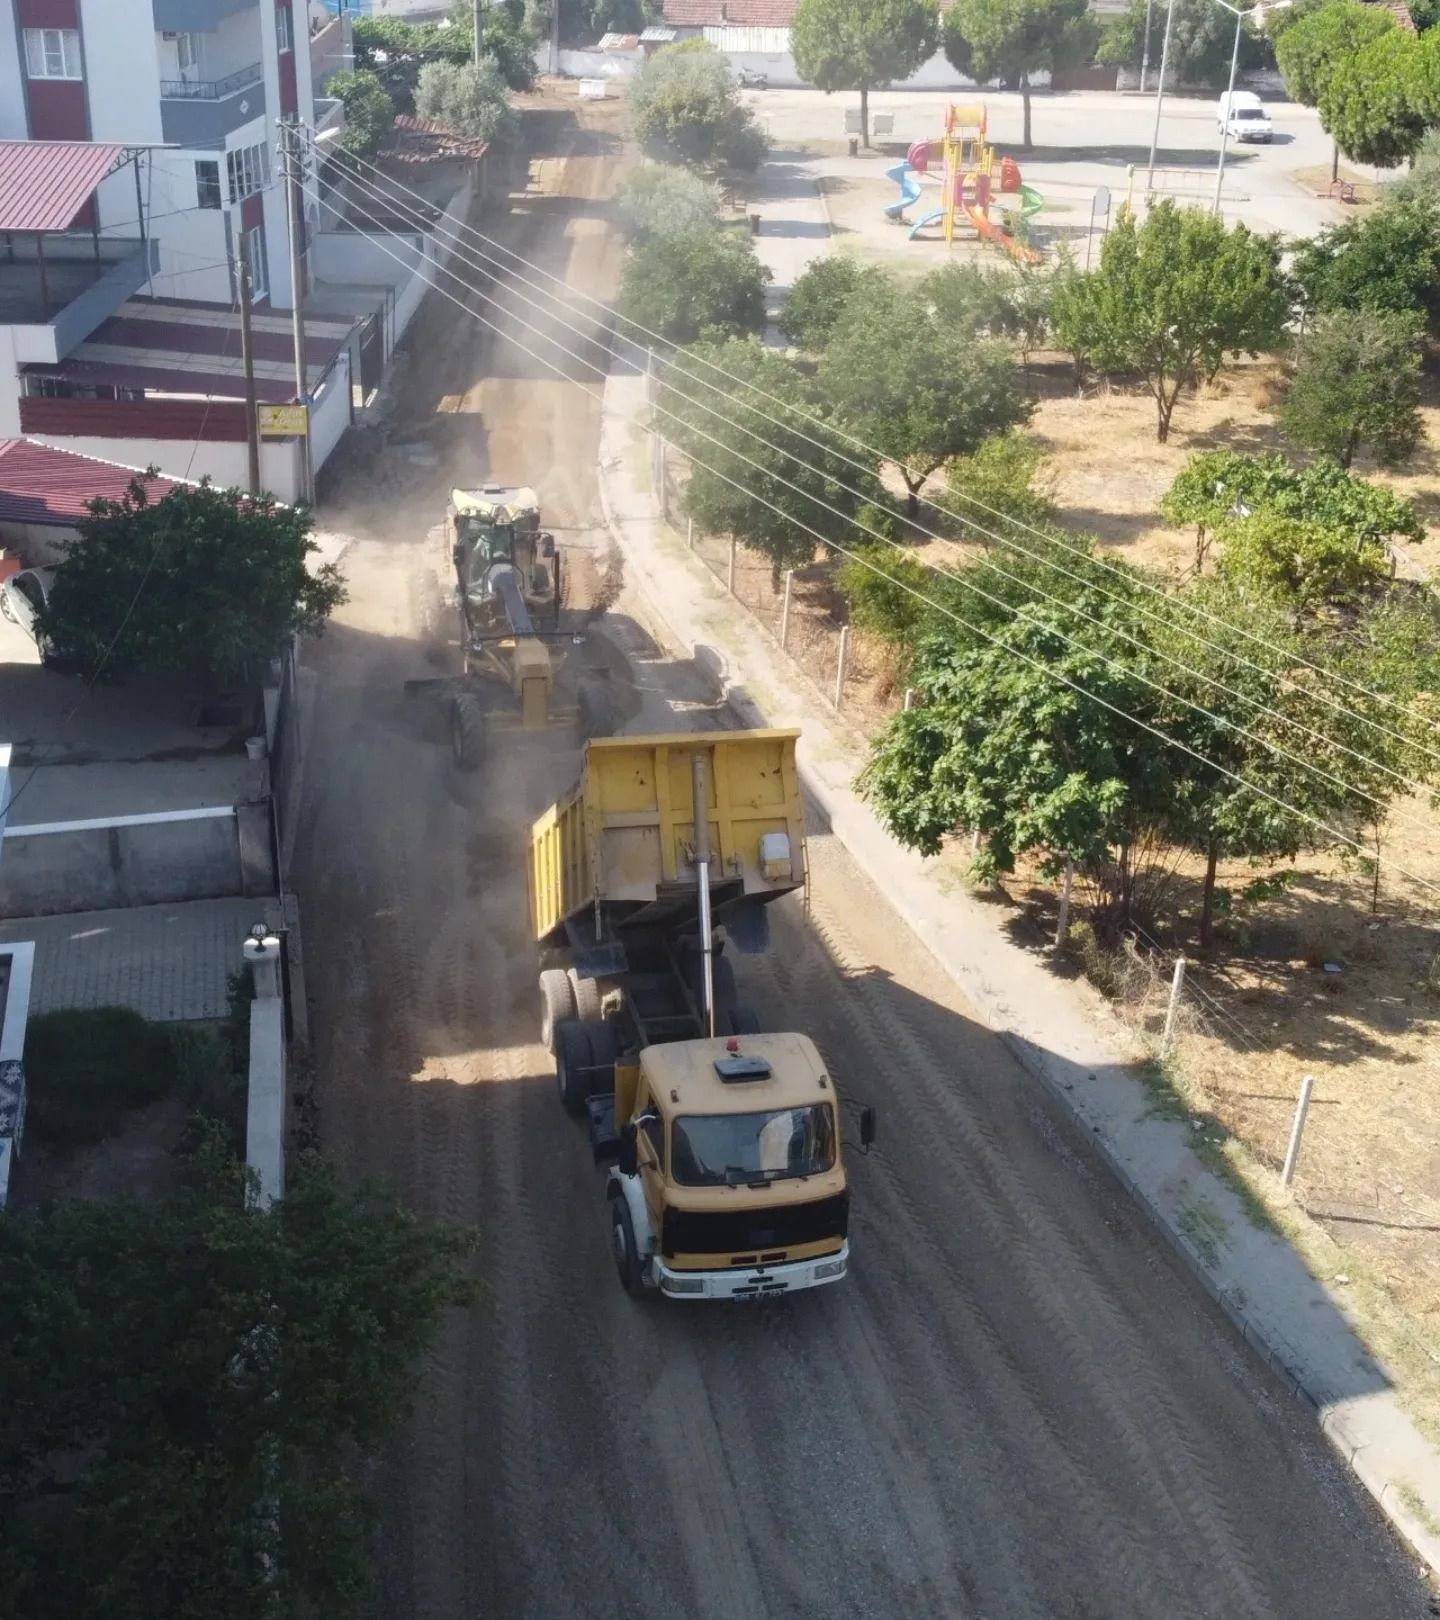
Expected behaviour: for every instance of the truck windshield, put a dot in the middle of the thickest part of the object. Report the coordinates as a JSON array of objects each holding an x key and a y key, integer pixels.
[
  {"x": 490, "y": 543},
  {"x": 717, "y": 1150},
  {"x": 1249, "y": 112}
]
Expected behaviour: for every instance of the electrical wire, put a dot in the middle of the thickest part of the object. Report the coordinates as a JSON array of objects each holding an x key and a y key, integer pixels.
[
  {"x": 1255, "y": 703},
  {"x": 1302, "y": 815},
  {"x": 958, "y": 578},
  {"x": 839, "y": 433}
]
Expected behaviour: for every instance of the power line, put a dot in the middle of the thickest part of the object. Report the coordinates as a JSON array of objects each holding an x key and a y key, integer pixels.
[
  {"x": 1046, "y": 670},
  {"x": 957, "y": 578},
  {"x": 840, "y": 433}
]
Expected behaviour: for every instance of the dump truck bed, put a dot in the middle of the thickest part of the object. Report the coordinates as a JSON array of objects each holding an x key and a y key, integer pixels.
[{"x": 624, "y": 836}]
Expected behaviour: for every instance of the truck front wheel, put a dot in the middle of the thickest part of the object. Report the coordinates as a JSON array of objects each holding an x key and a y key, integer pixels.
[{"x": 627, "y": 1255}]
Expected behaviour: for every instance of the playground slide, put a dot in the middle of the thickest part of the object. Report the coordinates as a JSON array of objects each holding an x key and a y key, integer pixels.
[
  {"x": 927, "y": 220},
  {"x": 990, "y": 232},
  {"x": 1031, "y": 202},
  {"x": 909, "y": 183}
]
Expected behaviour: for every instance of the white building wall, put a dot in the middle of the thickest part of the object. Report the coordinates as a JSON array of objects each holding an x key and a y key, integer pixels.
[{"x": 12, "y": 87}]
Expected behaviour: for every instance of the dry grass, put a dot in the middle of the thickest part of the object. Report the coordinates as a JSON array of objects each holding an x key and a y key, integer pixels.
[{"x": 1317, "y": 180}]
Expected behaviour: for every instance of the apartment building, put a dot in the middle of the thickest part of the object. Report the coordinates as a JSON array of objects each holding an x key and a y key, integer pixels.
[{"x": 137, "y": 148}]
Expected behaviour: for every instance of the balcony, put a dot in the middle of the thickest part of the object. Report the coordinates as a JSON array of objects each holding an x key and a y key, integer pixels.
[
  {"x": 202, "y": 112},
  {"x": 53, "y": 299}
]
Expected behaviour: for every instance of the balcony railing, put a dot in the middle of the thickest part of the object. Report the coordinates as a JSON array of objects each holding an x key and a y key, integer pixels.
[{"x": 211, "y": 89}]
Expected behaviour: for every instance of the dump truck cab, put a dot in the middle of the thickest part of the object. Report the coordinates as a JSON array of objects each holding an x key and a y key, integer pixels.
[
  {"x": 720, "y": 1143},
  {"x": 724, "y": 1174}
]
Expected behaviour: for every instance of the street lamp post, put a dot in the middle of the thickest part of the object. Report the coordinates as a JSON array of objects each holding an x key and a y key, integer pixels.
[
  {"x": 1258, "y": 13},
  {"x": 1145, "y": 49},
  {"x": 1160, "y": 88}
]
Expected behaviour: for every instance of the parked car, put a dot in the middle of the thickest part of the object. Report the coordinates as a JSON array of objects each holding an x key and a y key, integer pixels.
[
  {"x": 750, "y": 79},
  {"x": 1244, "y": 113},
  {"x": 22, "y": 596}
]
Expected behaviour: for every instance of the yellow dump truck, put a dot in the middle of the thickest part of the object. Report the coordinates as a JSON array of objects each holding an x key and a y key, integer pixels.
[{"x": 721, "y": 1145}]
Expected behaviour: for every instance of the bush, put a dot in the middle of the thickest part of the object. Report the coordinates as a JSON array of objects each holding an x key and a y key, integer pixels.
[
  {"x": 998, "y": 479},
  {"x": 819, "y": 296},
  {"x": 86, "y": 1068},
  {"x": 1302, "y": 564},
  {"x": 889, "y": 592},
  {"x": 686, "y": 285},
  {"x": 659, "y": 199},
  {"x": 1388, "y": 262},
  {"x": 369, "y": 111},
  {"x": 1357, "y": 386}
]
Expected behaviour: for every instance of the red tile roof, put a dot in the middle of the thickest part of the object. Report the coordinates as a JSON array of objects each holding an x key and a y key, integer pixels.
[
  {"x": 45, "y": 184},
  {"x": 419, "y": 140},
  {"x": 42, "y": 485},
  {"x": 731, "y": 13}
]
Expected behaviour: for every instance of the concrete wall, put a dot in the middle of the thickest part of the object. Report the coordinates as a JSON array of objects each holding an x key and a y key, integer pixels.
[
  {"x": 265, "y": 1099},
  {"x": 14, "y": 1014},
  {"x": 54, "y": 867},
  {"x": 38, "y": 545},
  {"x": 591, "y": 64}
]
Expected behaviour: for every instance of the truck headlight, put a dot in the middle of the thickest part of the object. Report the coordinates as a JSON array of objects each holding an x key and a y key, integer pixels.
[
  {"x": 829, "y": 1268},
  {"x": 683, "y": 1285}
]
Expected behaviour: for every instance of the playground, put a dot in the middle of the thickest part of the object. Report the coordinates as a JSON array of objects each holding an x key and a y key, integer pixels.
[{"x": 963, "y": 163}]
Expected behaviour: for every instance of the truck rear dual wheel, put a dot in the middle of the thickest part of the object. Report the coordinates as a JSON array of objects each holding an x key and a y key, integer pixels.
[
  {"x": 557, "y": 1003},
  {"x": 586, "y": 995}
]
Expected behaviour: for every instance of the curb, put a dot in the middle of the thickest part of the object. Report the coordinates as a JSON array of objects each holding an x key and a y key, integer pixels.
[{"x": 1044, "y": 1067}]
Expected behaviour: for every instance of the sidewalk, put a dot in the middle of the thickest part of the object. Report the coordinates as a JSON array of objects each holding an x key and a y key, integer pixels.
[{"x": 1292, "y": 1319}]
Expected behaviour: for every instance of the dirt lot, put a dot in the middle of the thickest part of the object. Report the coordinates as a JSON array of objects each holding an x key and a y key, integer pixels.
[{"x": 1017, "y": 1405}]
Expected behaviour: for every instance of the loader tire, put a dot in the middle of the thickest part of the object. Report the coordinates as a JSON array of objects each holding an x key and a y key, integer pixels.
[
  {"x": 572, "y": 1064},
  {"x": 467, "y": 732},
  {"x": 557, "y": 1003},
  {"x": 585, "y": 994}
]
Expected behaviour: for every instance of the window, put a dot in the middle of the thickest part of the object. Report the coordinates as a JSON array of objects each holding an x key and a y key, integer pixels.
[
  {"x": 283, "y": 40},
  {"x": 52, "y": 53},
  {"x": 718, "y": 1150},
  {"x": 207, "y": 183},
  {"x": 187, "y": 52},
  {"x": 248, "y": 170},
  {"x": 259, "y": 265}
]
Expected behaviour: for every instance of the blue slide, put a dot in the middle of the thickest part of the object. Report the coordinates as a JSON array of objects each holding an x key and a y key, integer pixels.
[{"x": 909, "y": 183}]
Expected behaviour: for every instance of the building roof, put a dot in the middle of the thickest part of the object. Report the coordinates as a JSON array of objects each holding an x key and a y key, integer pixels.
[
  {"x": 730, "y": 13},
  {"x": 45, "y": 184},
  {"x": 41, "y": 485},
  {"x": 182, "y": 347},
  {"x": 420, "y": 140}
]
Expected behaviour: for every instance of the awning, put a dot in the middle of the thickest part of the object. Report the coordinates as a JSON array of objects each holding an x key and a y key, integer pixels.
[{"x": 45, "y": 184}]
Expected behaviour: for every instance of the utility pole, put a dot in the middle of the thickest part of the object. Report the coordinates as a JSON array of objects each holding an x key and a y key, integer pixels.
[
  {"x": 295, "y": 223},
  {"x": 478, "y": 13},
  {"x": 1160, "y": 88},
  {"x": 1145, "y": 49},
  {"x": 247, "y": 359},
  {"x": 555, "y": 45}
]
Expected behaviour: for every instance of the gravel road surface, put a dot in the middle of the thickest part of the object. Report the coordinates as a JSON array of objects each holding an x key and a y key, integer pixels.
[{"x": 1017, "y": 1407}]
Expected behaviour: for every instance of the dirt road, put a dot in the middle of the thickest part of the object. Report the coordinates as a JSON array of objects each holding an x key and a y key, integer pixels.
[{"x": 1016, "y": 1408}]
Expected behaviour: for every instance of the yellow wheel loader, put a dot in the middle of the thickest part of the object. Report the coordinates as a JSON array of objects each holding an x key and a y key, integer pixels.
[{"x": 721, "y": 1144}]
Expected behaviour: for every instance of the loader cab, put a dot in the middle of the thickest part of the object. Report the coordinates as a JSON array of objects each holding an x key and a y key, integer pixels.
[{"x": 497, "y": 526}]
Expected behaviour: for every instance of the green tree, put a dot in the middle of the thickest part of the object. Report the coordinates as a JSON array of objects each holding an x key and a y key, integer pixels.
[
  {"x": 1215, "y": 486},
  {"x": 1308, "y": 49},
  {"x": 752, "y": 477},
  {"x": 978, "y": 299},
  {"x": 1201, "y": 40},
  {"x": 918, "y": 391},
  {"x": 685, "y": 109},
  {"x": 684, "y": 286},
  {"x": 1388, "y": 261},
  {"x": 818, "y": 299},
  {"x": 998, "y": 481},
  {"x": 1378, "y": 101},
  {"x": 469, "y": 100},
  {"x": 169, "y": 1366},
  {"x": 369, "y": 111},
  {"x": 505, "y": 41},
  {"x": 1171, "y": 298},
  {"x": 659, "y": 199},
  {"x": 205, "y": 581},
  {"x": 862, "y": 45},
  {"x": 1298, "y": 562},
  {"x": 1011, "y": 39},
  {"x": 1357, "y": 385}
]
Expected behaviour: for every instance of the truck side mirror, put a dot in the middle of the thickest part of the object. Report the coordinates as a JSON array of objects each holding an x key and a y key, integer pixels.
[
  {"x": 867, "y": 1127},
  {"x": 628, "y": 1160},
  {"x": 547, "y": 545}
]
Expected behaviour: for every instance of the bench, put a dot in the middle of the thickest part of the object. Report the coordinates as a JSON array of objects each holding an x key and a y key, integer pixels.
[{"x": 1339, "y": 191}]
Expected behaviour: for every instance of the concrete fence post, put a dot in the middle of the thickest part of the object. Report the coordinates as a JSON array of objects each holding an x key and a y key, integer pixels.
[
  {"x": 730, "y": 573},
  {"x": 690, "y": 533},
  {"x": 909, "y": 702},
  {"x": 1063, "y": 921},
  {"x": 974, "y": 841},
  {"x": 262, "y": 956},
  {"x": 841, "y": 663},
  {"x": 1177, "y": 984},
  {"x": 661, "y": 487},
  {"x": 1297, "y": 1130},
  {"x": 785, "y": 609}
]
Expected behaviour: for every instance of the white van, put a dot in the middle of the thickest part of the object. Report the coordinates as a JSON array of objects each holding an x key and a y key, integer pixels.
[{"x": 1244, "y": 113}]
